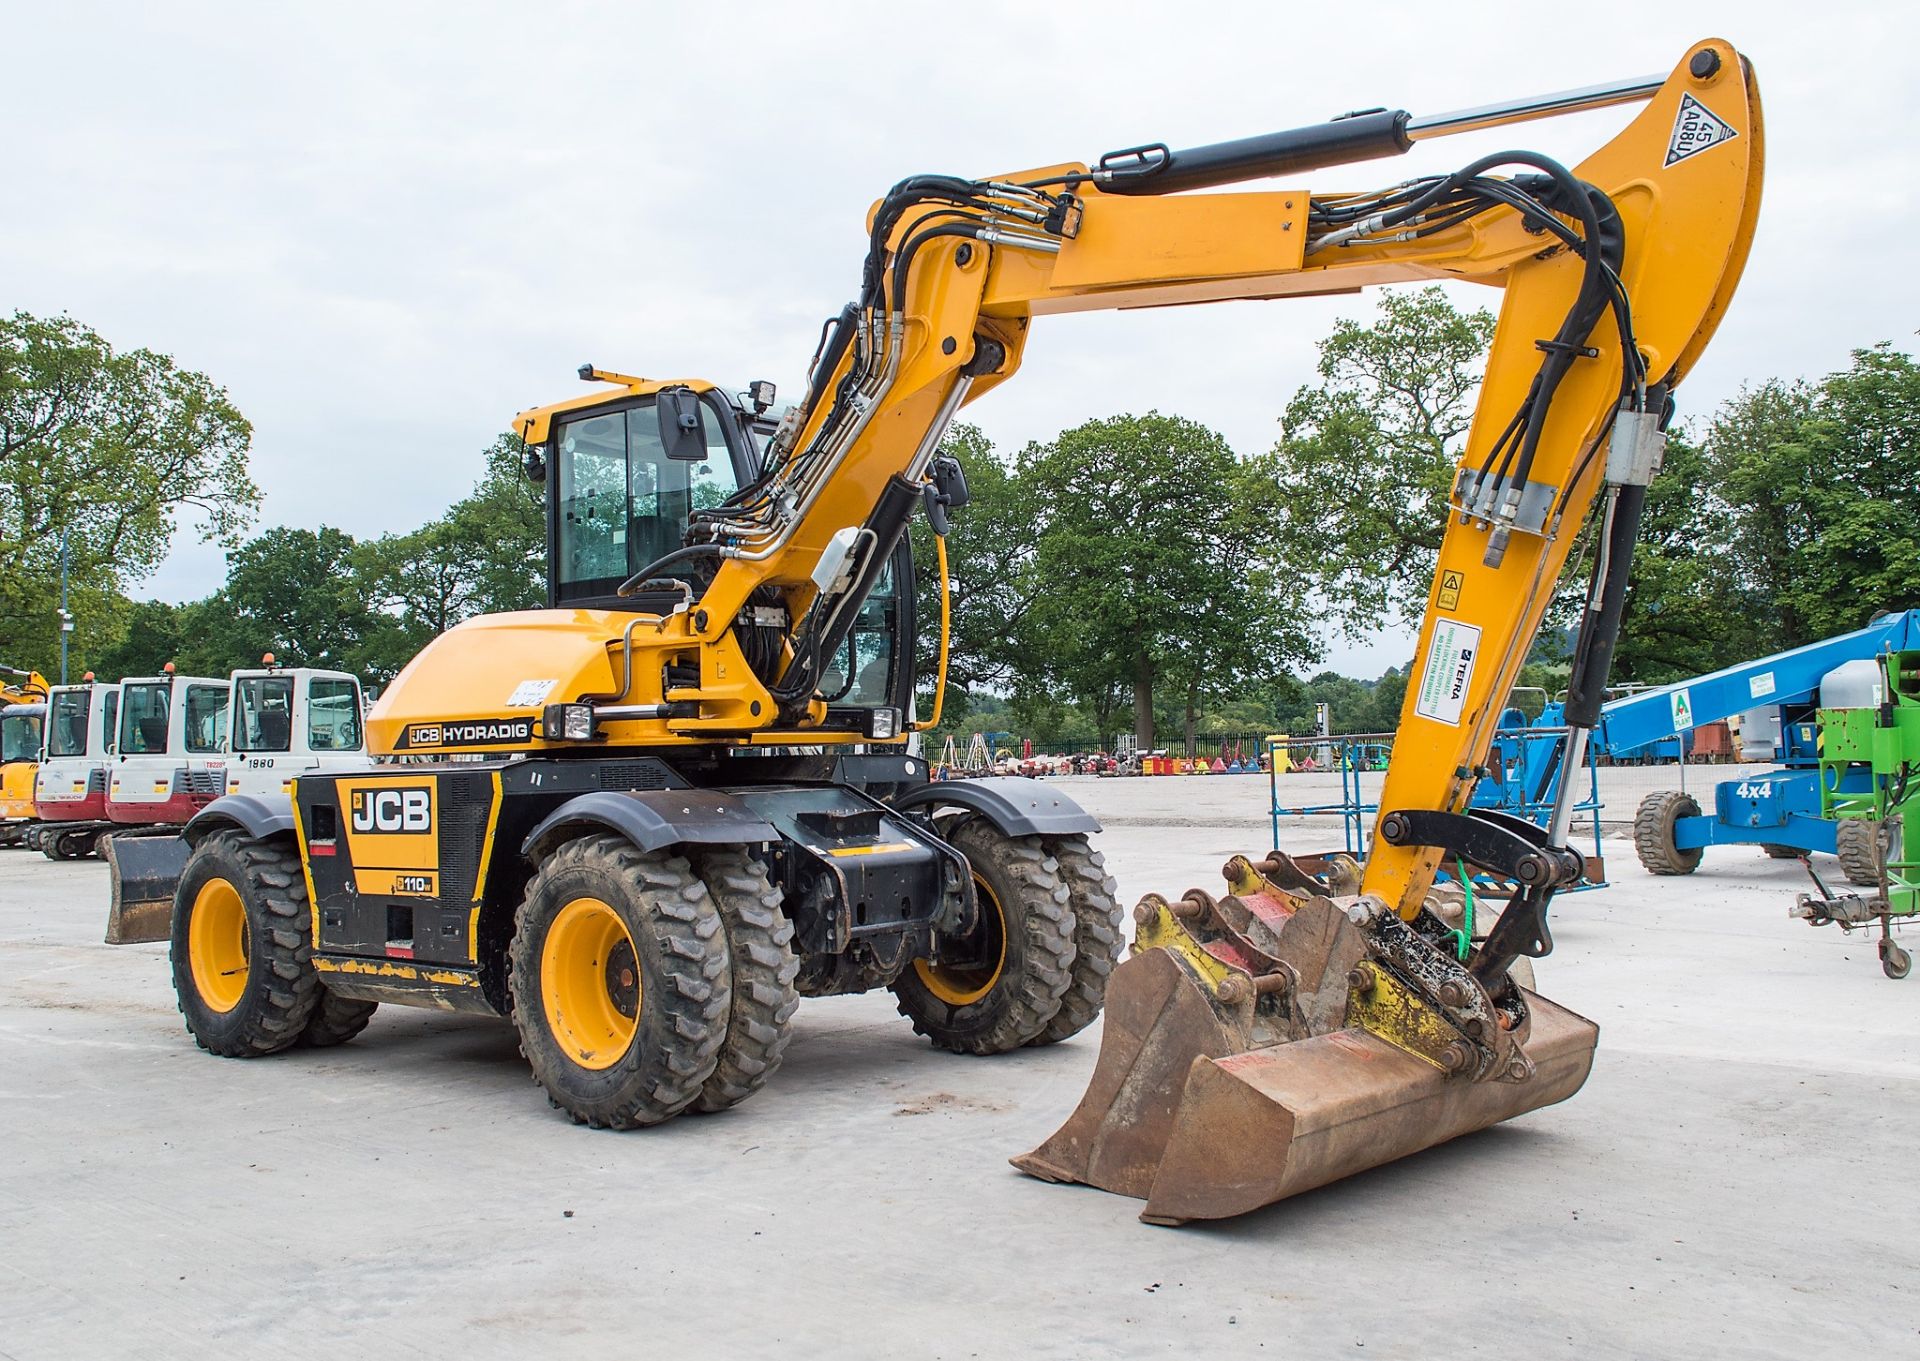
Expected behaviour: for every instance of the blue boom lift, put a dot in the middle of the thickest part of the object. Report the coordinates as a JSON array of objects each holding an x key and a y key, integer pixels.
[{"x": 1780, "y": 809}]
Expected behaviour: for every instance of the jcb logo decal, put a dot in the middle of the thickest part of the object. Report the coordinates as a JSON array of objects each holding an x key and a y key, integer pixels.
[{"x": 407, "y": 809}]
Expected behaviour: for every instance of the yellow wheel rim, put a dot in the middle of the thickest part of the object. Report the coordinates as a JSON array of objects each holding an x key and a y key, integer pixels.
[
  {"x": 590, "y": 983},
  {"x": 217, "y": 945},
  {"x": 959, "y": 986}
]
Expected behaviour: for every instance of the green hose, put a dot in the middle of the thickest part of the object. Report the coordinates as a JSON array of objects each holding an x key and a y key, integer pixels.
[{"x": 1463, "y": 938}]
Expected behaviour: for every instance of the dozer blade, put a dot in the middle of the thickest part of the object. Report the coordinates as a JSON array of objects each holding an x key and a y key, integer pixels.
[
  {"x": 145, "y": 871},
  {"x": 1257, "y": 1127},
  {"x": 1264, "y": 1045}
]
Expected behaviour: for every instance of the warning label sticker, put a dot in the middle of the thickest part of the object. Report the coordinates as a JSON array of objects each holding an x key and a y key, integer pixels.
[
  {"x": 1695, "y": 129},
  {"x": 1443, "y": 686},
  {"x": 1450, "y": 584}
]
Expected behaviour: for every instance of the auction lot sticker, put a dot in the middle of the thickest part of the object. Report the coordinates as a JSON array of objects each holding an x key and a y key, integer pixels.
[{"x": 1443, "y": 687}]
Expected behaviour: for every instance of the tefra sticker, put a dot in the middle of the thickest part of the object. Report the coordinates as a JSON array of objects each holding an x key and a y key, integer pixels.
[
  {"x": 1696, "y": 128},
  {"x": 1449, "y": 673}
]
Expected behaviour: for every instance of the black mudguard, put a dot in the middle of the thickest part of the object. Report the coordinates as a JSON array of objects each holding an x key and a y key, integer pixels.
[
  {"x": 258, "y": 816},
  {"x": 651, "y": 819},
  {"x": 1012, "y": 803}
]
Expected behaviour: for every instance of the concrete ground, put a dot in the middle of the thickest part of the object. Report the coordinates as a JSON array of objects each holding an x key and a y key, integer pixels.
[{"x": 1733, "y": 1181}]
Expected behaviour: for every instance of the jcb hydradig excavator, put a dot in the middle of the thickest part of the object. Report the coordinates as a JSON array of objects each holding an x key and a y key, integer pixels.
[{"x": 692, "y": 802}]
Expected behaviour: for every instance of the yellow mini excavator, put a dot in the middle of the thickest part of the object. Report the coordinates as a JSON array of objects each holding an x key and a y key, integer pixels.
[
  {"x": 642, "y": 821},
  {"x": 23, "y": 719}
]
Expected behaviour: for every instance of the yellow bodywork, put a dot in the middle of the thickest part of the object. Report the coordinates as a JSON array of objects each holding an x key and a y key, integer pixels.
[
  {"x": 17, "y": 777},
  {"x": 1688, "y": 226}
]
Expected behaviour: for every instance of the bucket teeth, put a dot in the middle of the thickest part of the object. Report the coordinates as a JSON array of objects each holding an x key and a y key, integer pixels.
[{"x": 1268, "y": 1042}]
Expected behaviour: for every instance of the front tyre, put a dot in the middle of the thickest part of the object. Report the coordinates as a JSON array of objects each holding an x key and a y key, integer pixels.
[
  {"x": 620, "y": 979},
  {"x": 242, "y": 947},
  {"x": 996, "y": 989},
  {"x": 1655, "y": 829}
]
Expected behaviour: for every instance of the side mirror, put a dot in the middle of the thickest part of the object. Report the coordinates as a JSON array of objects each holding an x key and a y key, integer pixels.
[
  {"x": 534, "y": 465},
  {"x": 681, "y": 435}
]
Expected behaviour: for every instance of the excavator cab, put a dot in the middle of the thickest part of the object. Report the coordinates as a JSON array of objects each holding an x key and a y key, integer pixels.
[
  {"x": 619, "y": 501},
  {"x": 619, "y": 498},
  {"x": 70, "y": 788}
]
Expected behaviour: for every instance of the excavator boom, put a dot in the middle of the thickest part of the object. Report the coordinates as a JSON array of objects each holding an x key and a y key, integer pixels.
[{"x": 1298, "y": 1030}]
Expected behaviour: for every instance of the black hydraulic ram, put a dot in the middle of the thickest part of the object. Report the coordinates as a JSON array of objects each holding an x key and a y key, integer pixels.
[{"x": 1365, "y": 136}]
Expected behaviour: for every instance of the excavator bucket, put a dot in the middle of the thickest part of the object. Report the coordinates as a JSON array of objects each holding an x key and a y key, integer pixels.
[
  {"x": 1268, "y": 1043},
  {"x": 145, "y": 871}
]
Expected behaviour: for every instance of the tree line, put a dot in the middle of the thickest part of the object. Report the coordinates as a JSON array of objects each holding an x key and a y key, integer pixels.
[{"x": 1134, "y": 573}]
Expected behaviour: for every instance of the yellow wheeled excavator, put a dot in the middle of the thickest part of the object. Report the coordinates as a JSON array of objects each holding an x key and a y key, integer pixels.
[{"x": 682, "y": 796}]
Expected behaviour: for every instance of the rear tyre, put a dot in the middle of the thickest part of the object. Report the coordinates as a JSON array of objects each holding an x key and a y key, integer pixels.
[
  {"x": 1777, "y": 852},
  {"x": 619, "y": 973},
  {"x": 1000, "y": 987},
  {"x": 1653, "y": 833},
  {"x": 335, "y": 1020},
  {"x": 1097, "y": 939},
  {"x": 242, "y": 948},
  {"x": 1861, "y": 844},
  {"x": 760, "y": 946}
]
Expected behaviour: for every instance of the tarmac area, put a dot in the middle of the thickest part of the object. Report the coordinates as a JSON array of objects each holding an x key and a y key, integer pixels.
[{"x": 1734, "y": 1181}]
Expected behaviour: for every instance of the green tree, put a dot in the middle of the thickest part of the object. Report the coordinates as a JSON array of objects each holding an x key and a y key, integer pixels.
[
  {"x": 1822, "y": 489},
  {"x": 293, "y": 592},
  {"x": 151, "y": 636},
  {"x": 1365, "y": 461},
  {"x": 1153, "y": 569},
  {"x": 104, "y": 450}
]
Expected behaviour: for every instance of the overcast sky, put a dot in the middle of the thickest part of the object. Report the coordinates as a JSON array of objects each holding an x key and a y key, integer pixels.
[{"x": 386, "y": 228}]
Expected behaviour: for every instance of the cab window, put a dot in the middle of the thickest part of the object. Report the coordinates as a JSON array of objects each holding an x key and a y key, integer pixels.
[
  {"x": 622, "y": 503},
  {"x": 67, "y": 735},
  {"x": 333, "y": 714},
  {"x": 862, "y": 672},
  {"x": 206, "y": 717},
  {"x": 143, "y": 718},
  {"x": 19, "y": 736},
  {"x": 263, "y": 714}
]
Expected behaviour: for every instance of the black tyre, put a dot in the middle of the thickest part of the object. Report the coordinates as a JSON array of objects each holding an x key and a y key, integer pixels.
[
  {"x": 1777, "y": 852},
  {"x": 620, "y": 983},
  {"x": 1894, "y": 961},
  {"x": 1000, "y": 987},
  {"x": 1860, "y": 844},
  {"x": 760, "y": 947},
  {"x": 242, "y": 946},
  {"x": 64, "y": 845},
  {"x": 335, "y": 1020},
  {"x": 1653, "y": 832},
  {"x": 1097, "y": 938}
]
